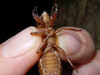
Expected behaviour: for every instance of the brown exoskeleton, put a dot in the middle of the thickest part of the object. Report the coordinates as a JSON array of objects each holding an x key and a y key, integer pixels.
[{"x": 50, "y": 62}]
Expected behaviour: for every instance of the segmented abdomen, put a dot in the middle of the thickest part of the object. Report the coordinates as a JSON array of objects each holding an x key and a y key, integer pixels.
[{"x": 50, "y": 64}]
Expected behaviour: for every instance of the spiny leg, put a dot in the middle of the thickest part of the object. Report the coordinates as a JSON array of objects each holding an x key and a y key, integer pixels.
[
  {"x": 62, "y": 51},
  {"x": 35, "y": 15},
  {"x": 54, "y": 9},
  {"x": 63, "y": 29},
  {"x": 37, "y": 33},
  {"x": 42, "y": 46},
  {"x": 67, "y": 28},
  {"x": 53, "y": 13},
  {"x": 43, "y": 43}
]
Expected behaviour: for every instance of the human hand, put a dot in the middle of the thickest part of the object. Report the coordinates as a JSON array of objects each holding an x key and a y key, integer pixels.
[{"x": 18, "y": 54}]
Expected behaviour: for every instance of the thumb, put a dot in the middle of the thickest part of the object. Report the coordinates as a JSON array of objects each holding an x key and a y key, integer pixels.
[
  {"x": 79, "y": 45},
  {"x": 18, "y": 54}
]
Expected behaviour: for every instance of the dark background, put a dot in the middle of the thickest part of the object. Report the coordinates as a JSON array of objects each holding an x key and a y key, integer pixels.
[{"x": 17, "y": 15}]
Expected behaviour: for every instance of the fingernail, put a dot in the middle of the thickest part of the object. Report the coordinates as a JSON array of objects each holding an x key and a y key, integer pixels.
[
  {"x": 89, "y": 69},
  {"x": 70, "y": 42},
  {"x": 20, "y": 43}
]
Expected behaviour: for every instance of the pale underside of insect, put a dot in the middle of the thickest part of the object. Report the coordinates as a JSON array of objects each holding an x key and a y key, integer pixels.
[{"x": 50, "y": 62}]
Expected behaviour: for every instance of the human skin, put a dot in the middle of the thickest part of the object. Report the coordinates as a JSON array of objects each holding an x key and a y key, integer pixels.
[{"x": 18, "y": 54}]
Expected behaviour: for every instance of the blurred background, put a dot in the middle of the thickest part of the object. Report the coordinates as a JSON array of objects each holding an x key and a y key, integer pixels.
[{"x": 17, "y": 15}]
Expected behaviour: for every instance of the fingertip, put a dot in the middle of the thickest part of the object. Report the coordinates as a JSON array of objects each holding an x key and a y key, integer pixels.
[
  {"x": 18, "y": 54},
  {"x": 20, "y": 43},
  {"x": 90, "y": 68}
]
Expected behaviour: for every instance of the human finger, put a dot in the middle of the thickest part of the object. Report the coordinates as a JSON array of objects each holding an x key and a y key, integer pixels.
[
  {"x": 18, "y": 54},
  {"x": 78, "y": 45}
]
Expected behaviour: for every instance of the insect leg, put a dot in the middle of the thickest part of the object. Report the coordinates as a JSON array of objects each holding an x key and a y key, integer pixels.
[
  {"x": 54, "y": 12},
  {"x": 63, "y": 29},
  {"x": 35, "y": 15},
  {"x": 42, "y": 46},
  {"x": 44, "y": 43},
  {"x": 38, "y": 33},
  {"x": 60, "y": 50},
  {"x": 54, "y": 9}
]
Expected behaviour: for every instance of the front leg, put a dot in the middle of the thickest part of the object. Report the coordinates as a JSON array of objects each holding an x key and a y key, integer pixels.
[
  {"x": 44, "y": 43},
  {"x": 35, "y": 15},
  {"x": 42, "y": 33},
  {"x": 36, "y": 33}
]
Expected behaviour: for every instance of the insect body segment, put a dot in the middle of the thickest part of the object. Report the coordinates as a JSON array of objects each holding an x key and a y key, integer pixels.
[{"x": 49, "y": 63}]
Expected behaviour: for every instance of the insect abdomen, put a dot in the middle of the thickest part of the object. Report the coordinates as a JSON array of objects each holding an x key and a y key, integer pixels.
[{"x": 50, "y": 64}]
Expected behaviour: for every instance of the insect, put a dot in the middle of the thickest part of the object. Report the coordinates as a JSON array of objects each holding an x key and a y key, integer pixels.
[{"x": 50, "y": 62}]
